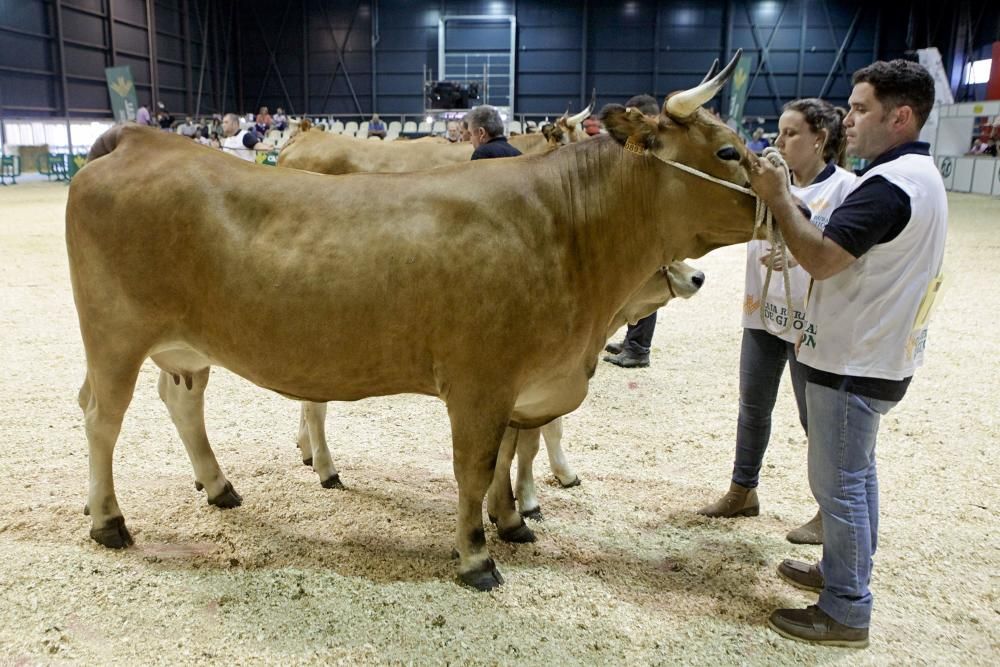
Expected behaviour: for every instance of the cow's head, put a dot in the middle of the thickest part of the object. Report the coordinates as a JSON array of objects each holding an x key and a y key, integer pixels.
[
  {"x": 677, "y": 279},
  {"x": 686, "y": 133},
  {"x": 567, "y": 129}
]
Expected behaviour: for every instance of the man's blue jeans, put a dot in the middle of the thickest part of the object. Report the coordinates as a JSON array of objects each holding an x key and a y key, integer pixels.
[
  {"x": 762, "y": 362},
  {"x": 842, "y": 432}
]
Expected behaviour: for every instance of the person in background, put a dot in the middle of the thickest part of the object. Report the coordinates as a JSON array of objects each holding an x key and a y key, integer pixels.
[
  {"x": 991, "y": 148},
  {"x": 163, "y": 117},
  {"x": 280, "y": 120},
  {"x": 142, "y": 116},
  {"x": 376, "y": 128},
  {"x": 633, "y": 351},
  {"x": 188, "y": 128},
  {"x": 466, "y": 135},
  {"x": 214, "y": 141},
  {"x": 759, "y": 142},
  {"x": 811, "y": 140},
  {"x": 454, "y": 134},
  {"x": 486, "y": 134},
  {"x": 241, "y": 143},
  {"x": 592, "y": 126},
  {"x": 876, "y": 268},
  {"x": 263, "y": 121}
]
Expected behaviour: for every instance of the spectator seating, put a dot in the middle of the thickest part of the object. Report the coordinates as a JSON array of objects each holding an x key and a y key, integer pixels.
[{"x": 409, "y": 126}]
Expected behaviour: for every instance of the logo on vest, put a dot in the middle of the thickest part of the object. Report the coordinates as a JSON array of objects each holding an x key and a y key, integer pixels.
[
  {"x": 916, "y": 343},
  {"x": 750, "y": 305},
  {"x": 779, "y": 315}
]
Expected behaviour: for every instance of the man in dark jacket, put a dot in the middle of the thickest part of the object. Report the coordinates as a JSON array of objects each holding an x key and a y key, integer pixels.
[
  {"x": 486, "y": 133},
  {"x": 633, "y": 352}
]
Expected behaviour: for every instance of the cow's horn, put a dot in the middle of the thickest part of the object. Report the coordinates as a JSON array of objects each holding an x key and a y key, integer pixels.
[
  {"x": 573, "y": 121},
  {"x": 685, "y": 103},
  {"x": 712, "y": 71}
]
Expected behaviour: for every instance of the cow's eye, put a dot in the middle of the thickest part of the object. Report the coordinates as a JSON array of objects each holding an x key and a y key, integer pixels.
[{"x": 728, "y": 153}]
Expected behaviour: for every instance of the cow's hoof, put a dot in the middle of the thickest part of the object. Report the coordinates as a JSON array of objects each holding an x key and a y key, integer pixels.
[
  {"x": 86, "y": 509},
  {"x": 519, "y": 534},
  {"x": 569, "y": 485},
  {"x": 307, "y": 462},
  {"x": 486, "y": 578},
  {"x": 534, "y": 515},
  {"x": 114, "y": 535},
  {"x": 227, "y": 499},
  {"x": 492, "y": 518},
  {"x": 333, "y": 482},
  {"x": 198, "y": 486},
  {"x": 454, "y": 554}
]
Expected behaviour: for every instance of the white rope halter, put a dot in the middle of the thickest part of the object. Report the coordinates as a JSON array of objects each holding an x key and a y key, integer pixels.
[{"x": 762, "y": 215}]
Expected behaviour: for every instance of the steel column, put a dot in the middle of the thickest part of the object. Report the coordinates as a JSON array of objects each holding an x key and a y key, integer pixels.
[
  {"x": 764, "y": 50},
  {"x": 803, "y": 25},
  {"x": 57, "y": 7},
  {"x": 340, "y": 56},
  {"x": 154, "y": 75},
  {"x": 111, "y": 33},
  {"x": 185, "y": 32},
  {"x": 583, "y": 54},
  {"x": 305, "y": 57}
]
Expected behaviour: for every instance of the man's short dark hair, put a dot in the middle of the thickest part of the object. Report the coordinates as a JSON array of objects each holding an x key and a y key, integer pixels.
[
  {"x": 900, "y": 83},
  {"x": 486, "y": 117},
  {"x": 647, "y": 104}
]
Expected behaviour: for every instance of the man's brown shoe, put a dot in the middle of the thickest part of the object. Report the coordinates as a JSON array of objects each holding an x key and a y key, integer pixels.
[
  {"x": 813, "y": 626},
  {"x": 808, "y": 533},
  {"x": 801, "y": 575},
  {"x": 738, "y": 501}
]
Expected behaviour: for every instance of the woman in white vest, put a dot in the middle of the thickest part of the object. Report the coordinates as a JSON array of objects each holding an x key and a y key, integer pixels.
[
  {"x": 244, "y": 144},
  {"x": 811, "y": 140},
  {"x": 876, "y": 268}
]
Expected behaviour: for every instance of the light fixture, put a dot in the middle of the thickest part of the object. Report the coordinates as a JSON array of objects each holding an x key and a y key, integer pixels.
[{"x": 978, "y": 71}]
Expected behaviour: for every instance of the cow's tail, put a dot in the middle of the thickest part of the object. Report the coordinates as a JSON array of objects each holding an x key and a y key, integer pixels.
[{"x": 105, "y": 143}]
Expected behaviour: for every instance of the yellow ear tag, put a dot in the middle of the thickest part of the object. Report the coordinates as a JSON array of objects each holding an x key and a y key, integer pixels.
[{"x": 633, "y": 147}]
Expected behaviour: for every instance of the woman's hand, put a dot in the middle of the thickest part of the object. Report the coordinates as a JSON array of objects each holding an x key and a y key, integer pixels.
[{"x": 778, "y": 264}]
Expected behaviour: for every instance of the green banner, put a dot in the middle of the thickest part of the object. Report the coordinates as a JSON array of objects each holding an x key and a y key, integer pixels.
[
  {"x": 738, "y": 94},
  {"x": 269, "y": 159},
  {"x": 121, "y": 90}
]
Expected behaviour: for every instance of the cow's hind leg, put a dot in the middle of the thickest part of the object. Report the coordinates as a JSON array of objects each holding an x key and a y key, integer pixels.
[
  {"x": 500, "y": 502},
  {"x": 184, "y": 395},
  {"x": 552, "y": 432},
  {"x": 477, "y": 427},
  {"x": 104, "y": 398},
  {"x": 312, "y": 425},
  {"x": 527, "y": 498}
]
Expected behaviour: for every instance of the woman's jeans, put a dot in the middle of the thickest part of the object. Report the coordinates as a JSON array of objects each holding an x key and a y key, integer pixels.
[
  {"x": 842, "y": 432},
  {"x": 762, "y": 361}
]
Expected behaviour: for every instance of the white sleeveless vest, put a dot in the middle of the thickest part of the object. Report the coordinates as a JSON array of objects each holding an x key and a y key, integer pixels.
[
  {"x": 234, "y": 146},
  {"x": 821, "y": 198},
  {"x": 863, "y": 321}
]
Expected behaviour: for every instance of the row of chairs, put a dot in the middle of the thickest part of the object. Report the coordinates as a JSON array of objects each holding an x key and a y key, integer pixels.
[{"x": 277, "y": 138}]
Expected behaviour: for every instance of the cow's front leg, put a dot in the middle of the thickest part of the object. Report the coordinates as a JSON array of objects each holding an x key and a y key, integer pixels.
[
  {"x": 500, "y": 501},
  {"x": 476, "y": 432},
  {"x": 184, "y": 396},
  {"x": 527, "y": 498},
  {"x": 552, "y": 432},
  {"x": 313, "y": 423}
]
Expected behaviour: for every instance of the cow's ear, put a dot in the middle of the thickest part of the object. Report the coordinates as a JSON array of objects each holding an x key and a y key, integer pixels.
[{"x": 630, "y": 123}]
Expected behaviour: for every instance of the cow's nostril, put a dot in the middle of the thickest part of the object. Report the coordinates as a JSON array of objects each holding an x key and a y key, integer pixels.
[{"x": 698, "y": 279}]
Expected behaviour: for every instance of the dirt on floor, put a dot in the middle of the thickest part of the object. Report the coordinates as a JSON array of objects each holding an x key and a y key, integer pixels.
[{"x": 623, "y": 572}]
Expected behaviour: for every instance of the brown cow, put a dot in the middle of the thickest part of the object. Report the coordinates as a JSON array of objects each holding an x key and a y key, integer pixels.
[
  {"x": 489, "y": 285},
  {"x": 677, "y": 279}
]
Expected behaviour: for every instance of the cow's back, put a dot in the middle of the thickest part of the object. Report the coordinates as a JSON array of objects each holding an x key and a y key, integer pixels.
[{"x": 333, "y": 154}]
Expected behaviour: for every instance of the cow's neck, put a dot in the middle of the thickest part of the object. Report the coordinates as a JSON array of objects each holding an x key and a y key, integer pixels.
[{"x": 619, "y": 237}]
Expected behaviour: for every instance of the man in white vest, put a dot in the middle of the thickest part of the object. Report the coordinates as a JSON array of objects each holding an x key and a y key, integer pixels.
[
  {"x": 244, "y": 144},
  {"x": 875, "y": 269}
]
